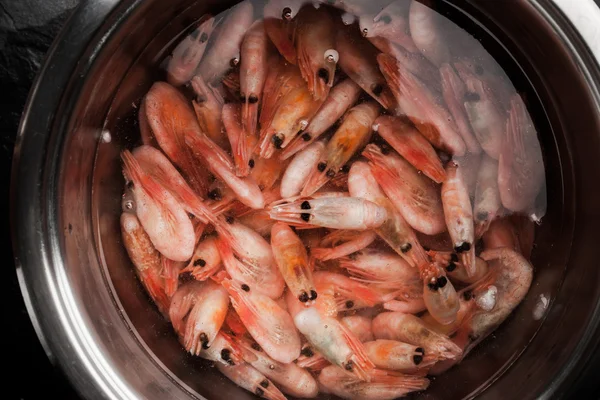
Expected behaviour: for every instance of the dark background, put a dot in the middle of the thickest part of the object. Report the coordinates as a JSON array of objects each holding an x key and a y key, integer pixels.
[{"x": 27, "y": 29}]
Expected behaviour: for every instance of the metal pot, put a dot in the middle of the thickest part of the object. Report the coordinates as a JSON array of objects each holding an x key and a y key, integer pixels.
[{"x": 94, "y": 319}]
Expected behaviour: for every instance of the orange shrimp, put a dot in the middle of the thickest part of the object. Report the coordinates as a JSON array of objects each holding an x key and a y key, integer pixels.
[
  {"x": 487, "y": 203},
  {"x": 521, "y": 173},
  {"x": 345, "y": 293},
  {"x": 169, "y": 117},
  {"x": 410, "y": 144},
  {"x": 379, "y": 385},
  {"x": 421, "y": 106},
  {"x": 398, "y": 356},
  {"x": 353, "y": 133},
  {"x": 282, "y": 32},
  {"x": 459, "y": 216},
  {"x": 224, "y": 351},
  {"x": 208, "y": 107},
  {"x": 392, "y": 24},
  {"x": 242, "y": 144},
  {"x": 358, "y": 61},
  {"x": 315, "y": 49},
  {"x": 292, "y": 260},
  {"x": 170, "y": 272},
  {"x": 253, "y": 73},
  {"x": 341, "y": 97},
  {"x": 188, "y": 53},
  {"x": 341, "y": 243},
  {"x": 206, "y": 260},
  {"x": 266, "y": 172},
  {"x": 360, "y": 326},
  {"x": 248, "y": 377},
  {"x": 415, "y": 196},
  {"x": 224, "y": 51},
  {"x": 145, "y": 259},
  {"x": 270, "y": 325}
]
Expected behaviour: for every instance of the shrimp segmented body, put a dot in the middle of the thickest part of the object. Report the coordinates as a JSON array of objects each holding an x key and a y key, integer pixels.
[
  {"x": 343, "y": 244},
  {"x": 341, "y": 97},
  {"x": 360, "y": 326},
  {"x": 206, "y": 260},
  {"x": 331, "y": 212},
  {"x": 292, "y": 260},
  {"x": 224, "y": 350},
  {"x": 411, "y": 145},
  {"x": 353, "y": 133},
  {"x": 344, "y": 293},
  {"x": 415, "y": 196},
  {"x": 208, "y": 107},
  {"x": 298, "y": 171},
  {"x": 459, "y": 216},
  {"x": 421, "y": 106},
  {"x": 487, "y": 203},
  {"x": 398, "y": 356},
  {"x": 381, "y": 384},
  {"x": 270, "y": 325},
  {"x": 242, "y": 144},
  {"x": 248, "y": 377}
]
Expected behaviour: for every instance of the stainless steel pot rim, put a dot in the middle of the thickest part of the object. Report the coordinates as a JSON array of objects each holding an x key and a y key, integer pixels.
[{"x": 40, "y": 268}]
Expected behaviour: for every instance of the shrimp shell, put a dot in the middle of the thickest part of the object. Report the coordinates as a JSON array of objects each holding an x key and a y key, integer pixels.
[{"x": 247, "y": 377}]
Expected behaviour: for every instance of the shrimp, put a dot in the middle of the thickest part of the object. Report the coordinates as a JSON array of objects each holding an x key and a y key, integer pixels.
[
  {"x": 521, "y": 173},
  {"x": 266, "y": 173},
  {"x": 259, "y": 221},
  {"x": 242, "y": 144},
  {"x": 208, "y": 107},
  {"x": 343, "y": 243},
  {"x": 248, "y": 258},
  {"x": 399, "y": 133},
  {"x": 427, "y": 29},
  {"x": 410, "y": 329},
  {"x": 315, "y": 49},
  {"x": 332, "y": 339},
  {"x": 223, "y": 351},
  {"x": 487, "y": 203},
  {"x": 249, "y": 378},
  {"x": 353, "y": 133},
  {"x": 253, "y": 73},
  {"x": 188, "y": 53},
  {"x": 145, "y": 259},
  {"x": 360, "y": 326},
  {"x": 455, "y": 93},
  {"x": 345, "y": 293},
  {"x": 514, "y": 232},
  {"x": 206, "y": 260},
  {"x": 169, "y": 117},
  {"x": 270, "y": 325},
  {"x": 224, "y": 51},
  {"x": 398, "y": 356},
  {"x": 415, "y": 196},
  {"x": 291, "y": 378},
  {"x": 395, "y": 231},
  {"x": 358, "y": 61},
  {"x": 292, "y": 260},
  {"x": 282, "y": 35},
  {"x": 197, "y": 312},
  {"x": 381, "y": 384},
  {"x": 483, "y": 111},
  {"x": 459, "y": 216},
  {"x": 340, "y": 99},
  {"x": 439, "y": 294},
  {"x": 220, "y": 164},
  {"x": 170, "y": 272},
  {"x": 331, "y": 212},
  {"x": 421, "y": 106},
  {"x": 298, "y": 171},
  {"x": 311, "y": 359},
  {"x": 392, "y": 24},
  {"x": 162, "y": 217},
  {"x": 455, "y": 269}
]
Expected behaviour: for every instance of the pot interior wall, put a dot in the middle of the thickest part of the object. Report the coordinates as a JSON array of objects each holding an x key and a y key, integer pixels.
[{"x": 128, "y": 64}]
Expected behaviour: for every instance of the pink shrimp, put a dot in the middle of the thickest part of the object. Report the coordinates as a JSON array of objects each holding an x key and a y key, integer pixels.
[
  {"x": 421, "y": 106},
  {"x": 253, "y": 73},
  {"x": 269, "y": 324},
  {"x": 206, "y": 260},
  {"x": 392, "y": 24},
  {"x": 249, "y": 378},
  {"x": 188, "y": 53},
  {"x": 459, "y": 216},
  {"x": 410, "y": 144},
  {"x": 342, "y": 243},
  {"x": 298, "y": 171},
  {"x": 315, "y": 49},
  {"x": 395, "y": 231},
  {"x": 224, "y": 351},
  {"x": 224, "y": 51},
  {"x": 428, "y": 31},
  {"x": 145, "y": 259},
  {"x": 455, "y": 269},
  {"x": 398, "y": 356},
  {"x": 311, "y": 359},
  {"x": 197, "y": 312},
  {"x": 282, "y": 35},
  {"x": 220, "y": 164},
  {"x": 208, "y": 107},
  {"x": 358, "y": 61},
  {"x": 521, "y": 166},
  {"x": 169, "y": 117},
  {"x": 259, "y": 221},
  {"x": 439, "y": 294},
  {"x": 340, "y": 99},
  {"x": 291, "y": 378},
  {"x": 407, "y": 306},
  {"x": 292, "y": 260},
  {"x": 160, "y": 214},
  {"x": 380, "y": 384},
  {"x": 415, "y": 196},
  {"x": 487, "y": 203},
  {"x": 331, "y": 212},
  {"x": 345, "y": 293},
  {"x": 410, "y": 329},
  {"x": 242, "y": 144},
  {"x": 170, "y": 273},
  {"x": 360, "y": 326},
  {"x": 353, "y": 133}
]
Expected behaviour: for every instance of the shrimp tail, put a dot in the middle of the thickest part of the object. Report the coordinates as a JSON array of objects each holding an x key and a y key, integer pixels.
[
  {"x": 359, "y": 362},
  {"x": 408, "y": 307},
  {"x": 394, "y": 380},
  {"x": 153, "y": 283},
  {"x": 358, "y": 243},
  {"x": 171, "y": 275},
  {"x": 314, "y": 182},
  {"x": 235, "y": 324},
  {"x": 250, "y": 117}
]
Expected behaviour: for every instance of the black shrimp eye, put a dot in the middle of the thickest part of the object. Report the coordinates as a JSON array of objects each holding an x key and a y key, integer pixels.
[
  {"x": 349, "y": 366},
  {"x": 277, "y": 141},
  {"x": 313, "y": 294},
  {"x": 245, "y": 287},
  {"x": 472, "y": 97},
  {"x": 259, "y": 392},
  {"x": 468, "y": 295},
  {"x": 406, "y": 247},
  {"x": 130, "y": 185},
  {"x": 286, "y": 13},
  {"x": 191, "y": 216},
  {"x": 330, "y": 173},
  {"x": 305, "y": 217},
  {"x": 432, "y": 286},
  {"x": 307, "y": 352},
  {"x": 420, "y": 350},
  {"x": 256, "y": 346},
  {"x": 451, "y": 267},
  {"x": 321, "y": 167},
  {"x": 305, "y": 205},
  {"x": 251, "y": 163},
  {"x": 214, "y": 194},
  {"x": 442, "y": 281},
  {"x": 303, "y": 297},
  {"x": 203, "y": 37},
  {"x": 253, "y": 99},
  {"x": 243, "y": 98},
  {"x": 324, "y": 74},
  {"x": 306, "y": 137},
  {"x": 453, "y": 257},
  {"x": 230, "y": 220},
  {"x": 377, "y": 89},
  {"x": 385, "y": 149},
  {"x": 345, "y": 169},
  {"x": 417, "y": 359},
  {"x": 482, "y": 215},
  {"x": 199, "y": 263},
  {"x": 264, "y": 383},
  {"x": 461, "y": 248},
  {"x": 386, "y": 19},
  {"x": 204, "y": 340},
  {"x": 349, "y": 304},
  {"x": 234, "y": 62}
]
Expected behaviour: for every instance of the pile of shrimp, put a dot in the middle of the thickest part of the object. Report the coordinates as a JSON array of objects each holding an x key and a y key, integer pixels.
[{"x": 332, "y": 200}]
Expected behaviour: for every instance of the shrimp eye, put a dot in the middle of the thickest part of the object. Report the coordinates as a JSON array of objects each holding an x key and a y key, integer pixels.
[
  {"x": 129, "y": 204},
  {"x": 286, "y": 13},
  {"x": 377, "y": 89},
  {"x": 256, "y": 347},
  {"x": 259, "y": 392},
  {"x": 472, "y": 97},
  {"x": 277, "y": 141},
  {"x": 199, "y": 263},
  {"x": 204, "y": 340},
  {"x": 253, "y": 99},
  {"x": 264, "y": 383},
  {"x": 313, "y": 295},
  {"x": 214, "y": 194},
  {"x": 442, "y": 281},
  {"x": 229, "y": 219},
  {"x": 191, "y": 216},
  {"x": 451, "y": 267},
  {"x": 245, "y": 287},
  {"x": 468, "y": 295},
  {"x": 330, "y": 173},
  {"x": 453, "y": 257},
  {"x": 242, "y": 97},
  {"x": 426, "y": 248},
  {"x": 406, "y": 247},
  {"x": 251, "y": 163},
  {"x": 464, "y": 246},
  {"x": 349, "y": 366},
  {"x": 234, "y": 61},
  {"x": 307, "y": 352},
  {"x": 226, "y": 356},
  {"x": 203, "y": 37},
  {"x": 130, "y": 185},
  {"x": 345, "y": 169},
  {"x": 306, "y": 137},
  {"x": 305, "y": 205},
  {"x": 479, "y": 70},
  {"x": 303, "y": 297},
  {"x": 305, "y": 217},
  {"x": 321, "y": 167},
  {"x": 365, "y": 32},
  {"x": 349, "y": 304},
  {"x": 417, "y": 359},
  {"x": 386, "y": 19},
  {"x": 482, "y": 215},
  {"x": 420, "y": 350},
  {"x": 432, "y": 286},
  {"x": 385, "y": 149},
  {"x": 324, "y": 74}
]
